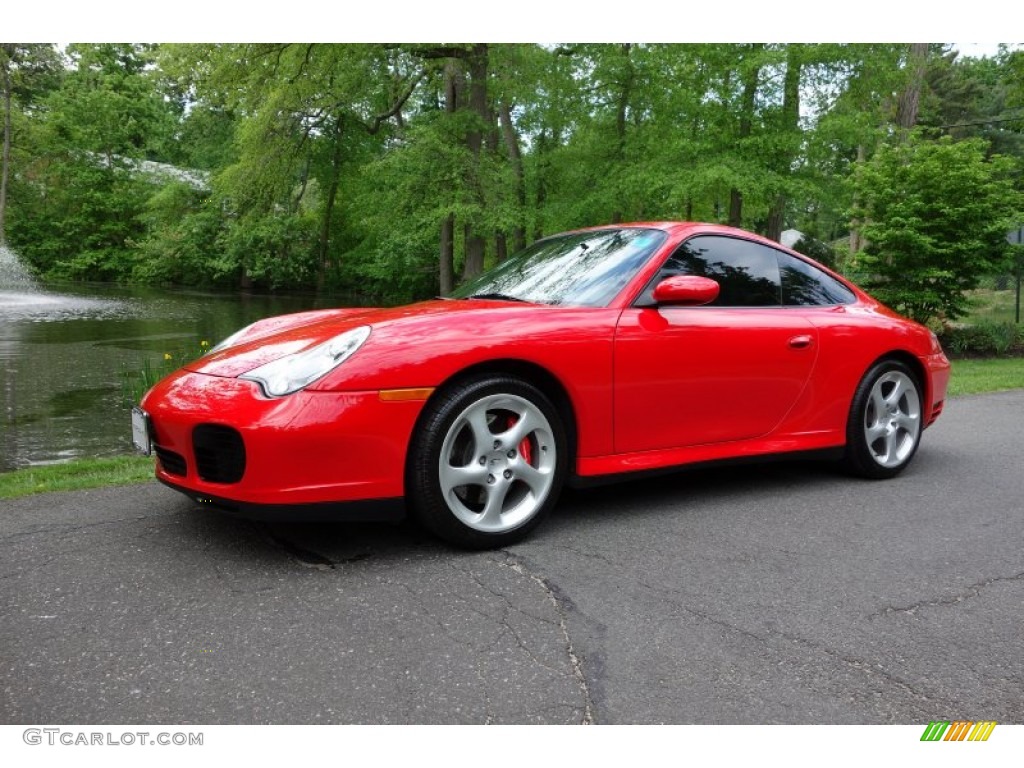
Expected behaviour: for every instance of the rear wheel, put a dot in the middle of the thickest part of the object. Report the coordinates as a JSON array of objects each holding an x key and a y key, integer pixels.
[
  {"x": 884, "y": 427},
  {"x": 488, "y": 462}
]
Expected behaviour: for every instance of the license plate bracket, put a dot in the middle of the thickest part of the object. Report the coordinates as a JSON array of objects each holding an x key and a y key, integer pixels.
[{"x": 140, "y": 432}]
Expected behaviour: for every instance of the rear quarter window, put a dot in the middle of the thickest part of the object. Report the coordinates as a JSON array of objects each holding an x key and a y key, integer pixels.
[{"x": 804, "y": 285}]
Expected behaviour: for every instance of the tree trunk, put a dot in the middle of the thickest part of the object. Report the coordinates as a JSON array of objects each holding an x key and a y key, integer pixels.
[
  {"x": 324, "y": 261},
  {"x": 493, "y": 147},
  {"x": 6, "y": 163},
  {"x": 694, "y": 137},
  {"x": 475, "y": 248},
  {"x": 446, "y": 270},
  {"x": 735, "y": 208},
  {"x": 542, "y": 189},
  {"x": 856, "y": 243},
  {"x": 475, "y": 243},
  {"x": 746, "y": 128},
  {"x": 791, "y": 132},
  {"x": 625, "y": 93},
  {"x": 515, "y": 156},
  {"x": 910, "y": 96}
]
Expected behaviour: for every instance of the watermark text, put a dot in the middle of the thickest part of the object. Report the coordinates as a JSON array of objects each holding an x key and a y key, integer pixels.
[{"x": 59, "y": 736}]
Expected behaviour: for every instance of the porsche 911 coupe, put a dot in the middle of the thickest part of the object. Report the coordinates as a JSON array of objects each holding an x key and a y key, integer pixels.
[{"x": 594, "y": 353}]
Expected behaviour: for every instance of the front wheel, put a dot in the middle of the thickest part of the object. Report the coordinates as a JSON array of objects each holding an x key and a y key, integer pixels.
[
  {"x": 884, "y": 427},
  {"x": 487, "y": 463}
]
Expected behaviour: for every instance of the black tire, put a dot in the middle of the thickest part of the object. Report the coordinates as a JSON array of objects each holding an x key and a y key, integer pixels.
[
  {"x": 886, "y": 420},
  {"x": 514, "y": 471}
]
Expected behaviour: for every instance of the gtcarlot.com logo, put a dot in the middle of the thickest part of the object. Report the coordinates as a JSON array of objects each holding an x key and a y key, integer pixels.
[
  {"x": 59, "y": 736},
  {"x": 958, "y": 730}
]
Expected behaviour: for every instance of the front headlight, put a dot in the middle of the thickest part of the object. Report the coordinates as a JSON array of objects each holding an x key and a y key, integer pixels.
[{"x": 294, "y": 372}]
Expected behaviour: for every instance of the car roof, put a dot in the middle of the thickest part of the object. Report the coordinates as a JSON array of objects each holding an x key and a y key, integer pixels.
[
  {"x": 683, "y": 228},
  {"x": 702, "y": 227}
]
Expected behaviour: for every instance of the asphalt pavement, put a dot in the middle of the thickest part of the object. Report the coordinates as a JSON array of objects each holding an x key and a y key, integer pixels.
[{"x": 781, "y": 593}]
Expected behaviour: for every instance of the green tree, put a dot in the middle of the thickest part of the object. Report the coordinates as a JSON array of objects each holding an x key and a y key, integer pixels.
[
  {"x": 27, "y": 72},
  {"x": 973, "y": 98},
  {"x": 937, "y": 214},
  {"x": 90, "y": 137},
  {"x": 394, "y": 169},
  {"x": 305, "y": 119}
]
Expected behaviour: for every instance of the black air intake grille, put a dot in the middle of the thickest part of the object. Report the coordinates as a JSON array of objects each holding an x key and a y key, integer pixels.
[
  {"x": 220, "y": 453},
  {"x": 172, "y": 463}
]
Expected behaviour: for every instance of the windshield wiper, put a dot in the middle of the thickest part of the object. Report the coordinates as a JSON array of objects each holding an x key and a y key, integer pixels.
[{"x": 499, "y": 296}]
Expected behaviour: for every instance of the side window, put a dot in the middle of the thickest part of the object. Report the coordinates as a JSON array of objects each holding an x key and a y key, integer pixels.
[
  {"x": 805, "y": 285},
  {"x": 748, "y": 273}
]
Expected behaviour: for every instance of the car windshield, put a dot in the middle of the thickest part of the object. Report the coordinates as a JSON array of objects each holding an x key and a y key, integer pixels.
[{"x": 583, "y": 269}]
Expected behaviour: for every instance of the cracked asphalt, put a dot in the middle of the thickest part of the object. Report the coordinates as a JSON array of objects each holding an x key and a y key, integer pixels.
[{"x": 782, "y": 593}]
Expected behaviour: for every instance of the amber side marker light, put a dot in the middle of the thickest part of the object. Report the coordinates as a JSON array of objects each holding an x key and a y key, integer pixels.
[{"x": 398, "y": 395}]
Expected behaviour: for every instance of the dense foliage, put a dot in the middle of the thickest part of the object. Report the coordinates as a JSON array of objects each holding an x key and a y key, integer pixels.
[
  {"x": 395, "y": 171},
  {"x": 936, "y": 215}
]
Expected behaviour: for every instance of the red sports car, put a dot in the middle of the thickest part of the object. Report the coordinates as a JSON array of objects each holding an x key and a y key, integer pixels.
[{"x": 598, "y": 352}]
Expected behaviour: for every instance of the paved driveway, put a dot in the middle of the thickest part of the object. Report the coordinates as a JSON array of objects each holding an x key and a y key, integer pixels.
[{"x": 782, "y": 593}]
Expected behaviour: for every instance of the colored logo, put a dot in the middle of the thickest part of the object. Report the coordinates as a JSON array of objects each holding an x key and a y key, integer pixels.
[{"x": 958, "y": 730}]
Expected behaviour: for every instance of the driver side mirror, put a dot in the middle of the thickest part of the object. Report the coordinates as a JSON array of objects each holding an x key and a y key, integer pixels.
[{"x": 686, "y": 291}]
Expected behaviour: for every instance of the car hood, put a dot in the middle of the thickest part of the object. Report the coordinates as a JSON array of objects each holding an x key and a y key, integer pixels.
[{"x": 276, "y": 337}]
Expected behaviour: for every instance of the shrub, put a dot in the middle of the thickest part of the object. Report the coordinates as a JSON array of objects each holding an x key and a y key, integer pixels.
[{"x": 985, "y": 339}]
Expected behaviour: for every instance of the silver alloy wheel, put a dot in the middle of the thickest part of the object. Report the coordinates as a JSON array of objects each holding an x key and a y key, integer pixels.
[
  {"x": 892, "y": 419},
  {"x": 497, "y": 463}
]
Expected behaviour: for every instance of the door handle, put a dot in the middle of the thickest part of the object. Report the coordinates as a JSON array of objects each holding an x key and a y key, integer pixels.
[{"x": 801, "y": 342}]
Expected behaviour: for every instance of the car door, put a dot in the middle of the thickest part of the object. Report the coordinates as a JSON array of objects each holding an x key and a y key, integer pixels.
[{"x": 727, "y": 371}]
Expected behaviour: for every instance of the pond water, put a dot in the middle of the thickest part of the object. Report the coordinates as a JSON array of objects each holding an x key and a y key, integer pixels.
[{"x": 66, "y": 352}]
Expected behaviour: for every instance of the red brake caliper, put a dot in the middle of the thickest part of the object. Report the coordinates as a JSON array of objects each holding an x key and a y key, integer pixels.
[{"x": 525, "y": 447}]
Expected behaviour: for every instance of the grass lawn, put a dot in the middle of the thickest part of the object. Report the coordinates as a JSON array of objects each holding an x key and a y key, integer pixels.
[
  {"x": 971, "y": 377},
  {"x": 76, "y": 476},
  {"x": 991, "y": 306}
]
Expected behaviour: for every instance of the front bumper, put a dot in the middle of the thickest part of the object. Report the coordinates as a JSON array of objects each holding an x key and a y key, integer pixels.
[
  {"x": 361, "y": 511},
  {"x": 309, "y": 448}
]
